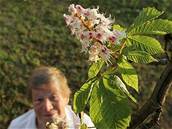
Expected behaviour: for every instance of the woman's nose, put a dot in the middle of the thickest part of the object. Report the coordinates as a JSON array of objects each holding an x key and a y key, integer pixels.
[{"x": 48, "y": 105}]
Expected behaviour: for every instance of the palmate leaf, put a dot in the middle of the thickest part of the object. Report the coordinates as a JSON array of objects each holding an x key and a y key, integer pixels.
[
  {"x": 128, "y": 73},
  {"x": 109, "y": 110},
  {"x": 95, "y": 68},
  {"x": 115, "y": 81},
  {"x": 156, "y": 27},
  {"x": 147, "y": 44},
  {"x": 81, "y": 96},
  {"x": 140, "y": 57},
  {"x": 145, "y": 15}
]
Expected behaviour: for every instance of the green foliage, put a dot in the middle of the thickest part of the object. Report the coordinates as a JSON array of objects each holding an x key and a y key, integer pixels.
[
  {"x": 95, "y": 68},
  {"x": 109, "y": 109},
  {"x": 159, "y": 27},
  {"x": 128, "y": 74},
  {"x": 140, "y": 57},
  {"x": 116, "y": 81},
  {"x": 147, "y": 14},
  {"x": 140, "y": 48},
  {"x": 118, "y": 27},
  {"x": 146, "y": 23},
  {"x": 33, "y": 33},
  {"x": 147, "y": 44},
  {"x": 81, "y": 96}
]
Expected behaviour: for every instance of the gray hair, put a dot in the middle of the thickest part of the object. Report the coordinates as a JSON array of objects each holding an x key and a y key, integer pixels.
[{"x": 46, "y": 75}]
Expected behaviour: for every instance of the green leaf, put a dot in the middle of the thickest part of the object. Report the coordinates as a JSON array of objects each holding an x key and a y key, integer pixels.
[
  {"x": 140, "y": 57},
  {"x": 147, "y": 44},
  {"x": 128, "y": 42},
  {"x": 95, "y": 68},
  {"x": 110, "y": 70},
  {"x": 111, "y": 81},
  {"x": 158, "y": 27},
  {"x": 118, "y": 27},
  {"x": 81, "y": 97},
  {"x": 109, "y": 110},
  {"x": 128, "y": 73},
  {"x": 145, "y": 15}
]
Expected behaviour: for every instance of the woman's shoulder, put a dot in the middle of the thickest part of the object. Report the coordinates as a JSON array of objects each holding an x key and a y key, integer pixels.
[{"x": 23, "y": 120}]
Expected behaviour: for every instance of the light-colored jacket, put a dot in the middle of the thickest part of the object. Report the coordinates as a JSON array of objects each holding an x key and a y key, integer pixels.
[{"x": 28, "y": 120}]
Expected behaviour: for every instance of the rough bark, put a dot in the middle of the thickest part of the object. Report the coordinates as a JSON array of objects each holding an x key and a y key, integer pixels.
[{"x": 155, "y": 102}]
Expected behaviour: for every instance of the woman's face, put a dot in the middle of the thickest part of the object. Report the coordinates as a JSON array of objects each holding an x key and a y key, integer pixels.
[{"x": 49, "y": 102}]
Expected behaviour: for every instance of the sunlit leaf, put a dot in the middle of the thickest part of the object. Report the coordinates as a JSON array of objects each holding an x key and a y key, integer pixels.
[
  {"x": 109, "y": 110},
  {"x": 140, "y": 57},
  {"x": 145, "y": 15},
  {"x": 81, "y": 96},
  {"x": 159, "y": 27},
  {"x": 95, "y": 68},
  {"x": 147, "y": 44},
  {"x": 118, "y": 27},
  {"x": 129, "y": 74}
]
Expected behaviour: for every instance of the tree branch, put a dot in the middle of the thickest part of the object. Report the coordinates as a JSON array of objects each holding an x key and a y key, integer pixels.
[{"x": 157, "y": 99}]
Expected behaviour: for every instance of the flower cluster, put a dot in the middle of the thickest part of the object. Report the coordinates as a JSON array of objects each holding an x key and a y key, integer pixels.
[
  {"x": 94, "y": 31},
  {"x": 56, "y": 123}
]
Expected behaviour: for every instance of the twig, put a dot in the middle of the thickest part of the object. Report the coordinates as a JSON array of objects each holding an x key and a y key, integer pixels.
[{"x": 157, "y": 99}]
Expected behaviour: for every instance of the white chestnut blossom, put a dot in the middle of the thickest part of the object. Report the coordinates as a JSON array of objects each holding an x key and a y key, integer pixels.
[
  {"x": 94, "y": 31},
  {"x": 98, "y": 51}
]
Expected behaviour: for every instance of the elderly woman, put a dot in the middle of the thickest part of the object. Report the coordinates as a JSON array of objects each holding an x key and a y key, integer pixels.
[{"x": 50, "y": 96}]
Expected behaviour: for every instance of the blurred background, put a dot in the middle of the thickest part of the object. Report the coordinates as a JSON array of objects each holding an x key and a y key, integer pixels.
[{"x": 33, "y": 33}]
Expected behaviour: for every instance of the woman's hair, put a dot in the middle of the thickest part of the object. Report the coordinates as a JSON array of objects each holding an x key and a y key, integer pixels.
[{"x": 45, "y": 75}]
